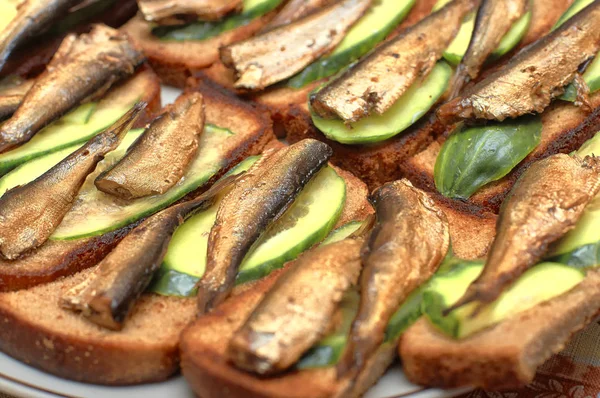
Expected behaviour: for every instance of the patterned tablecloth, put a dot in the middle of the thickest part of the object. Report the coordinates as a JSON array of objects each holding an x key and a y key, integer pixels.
[{"x": 574, "y": 373}]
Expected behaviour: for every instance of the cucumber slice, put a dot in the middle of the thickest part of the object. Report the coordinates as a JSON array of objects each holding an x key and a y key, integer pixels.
[
  {"x": 524, "y": 294},
  {"x": 8, "y": 10},
  {"x": 29, "y": 171},
  {"x": 408, "y": 313},
  {"x": 191, "y": 238},
  {"x": 96, "y": 213},
  {"x": 69, "y": 130},
  {"x": 458, "y": 48},
  {"x": 379, "y": 21},
  {"x": 577, "y": 6},
  {"x": 203, "y": 30},
  {"x": 409, "y": 108},
  {"x": 342, "y": 232},
  {"x": 185, "y": 260},
  {"x": 308, "y": 221},
  {"x": 329, "y": 350}
]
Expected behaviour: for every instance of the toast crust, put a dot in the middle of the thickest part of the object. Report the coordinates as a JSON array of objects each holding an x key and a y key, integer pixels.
[
  {"x": 61, "y": 258},
  {"x": 176, "y": 61},
  {"x": 506, "y": 355}
]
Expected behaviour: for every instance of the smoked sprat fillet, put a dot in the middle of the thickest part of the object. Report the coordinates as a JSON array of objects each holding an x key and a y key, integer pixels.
[
  {"x": 376, "y": 82},
  {"x": 83, "y": 68},
  {"x": 294, "y": 10},
  {"x": 12, "y": 96},
  {"x": 258, "y": 199},
  {"x": 109, "y": 293},
  {"x": 30, "y": 213},
  {"x": 405, "y": 248},
  {"x": 544, "y": 204},
  {"x": 296, "y": 313},
  {"x": 281, "y": 53},
  {"x": 33, "y": 17},
  {"x": 494, "y": 20},
  {"x": 161, "y": 156},
  {"x": 174, "y": 12},
  {"x": 535, "y": 76}
]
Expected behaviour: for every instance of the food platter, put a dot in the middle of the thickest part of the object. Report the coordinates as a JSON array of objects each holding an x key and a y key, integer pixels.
[
  {"x": 21, "y": 380},
  {"x": 24, "y": 381}
]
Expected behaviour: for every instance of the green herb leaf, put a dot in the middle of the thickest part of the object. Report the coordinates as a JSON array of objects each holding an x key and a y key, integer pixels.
[{"x": 475, "y": 156}]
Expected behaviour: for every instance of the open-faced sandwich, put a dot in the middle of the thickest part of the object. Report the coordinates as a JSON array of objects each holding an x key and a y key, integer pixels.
[{"x": 137, "y": 241}]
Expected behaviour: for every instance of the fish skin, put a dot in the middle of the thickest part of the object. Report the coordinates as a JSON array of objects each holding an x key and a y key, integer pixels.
[
  {"x": 378, "y": 80},
  {"x": 30, "y": 213},
  {"x": 83, "y": 68},
  {"x": 544, "y": 204},
  {"x": 533, "y": 77},
  {"x": 294, "y": 10},
  {"x": 494, "y": 20},
  {"x": 108, "y": 294},
  {"x": 176, "y": 12},
  {"x": 281, "y": 53},
  {"x": 404, "y": 249},
  {"x": 297, "y": 312},
  {"x": 33, "y": 17},
  {"x": 258, "y": 199},
  {"x": 12, "y": 96},
  {"x": 161, "y": 156}
]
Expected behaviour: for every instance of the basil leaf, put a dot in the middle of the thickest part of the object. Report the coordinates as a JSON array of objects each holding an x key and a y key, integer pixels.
[{"x": 475, "y": 156}]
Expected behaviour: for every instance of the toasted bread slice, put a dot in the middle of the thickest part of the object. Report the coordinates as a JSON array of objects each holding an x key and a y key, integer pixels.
[
  {"x": 37, "y": 331},
  {"x": 33, "y": 58},
  {"x": 176, "y": 61},
  {"x": 565, "y": 128},
  {"x": 382, "y": 162},
  {"x": 60, "y": 258},
  {"x": 204, "y": 342},
  {"x": 505, "y": 356}
]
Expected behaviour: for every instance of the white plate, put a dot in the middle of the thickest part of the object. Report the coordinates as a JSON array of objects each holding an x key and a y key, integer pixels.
[{"x": 22, "y": 380}]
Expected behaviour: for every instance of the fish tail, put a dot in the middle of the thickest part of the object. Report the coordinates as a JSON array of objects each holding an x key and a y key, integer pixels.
[
  {"x": 461, "y": 77},
  {"x": 112, "y": 136},
  {"x": 470, "y": 296},
  {"x": 448, "y": 112}
]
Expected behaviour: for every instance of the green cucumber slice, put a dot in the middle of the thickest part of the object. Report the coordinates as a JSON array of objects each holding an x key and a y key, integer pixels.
[
  {"x": 524, "y": 294},
  {"x": 342, "y": 232},
  {"x": 191, "y": 238},
  {"x": 586, "y": 256},
  {"x": 577, "y": 6},
  {"x": 308, "y": 221},
  {"x": 185, "y": 260},
  {"x": 203, "y": 30},
  {"x": 329, "y": 350},
  {"x": 31, "y": 170},
  {"x": 379, "y": 22},
  {"x": 69, "y": 130},
  {"x": 310, "y": 218},
  {"x": 8, "y": 10},
  {"x": 475, "y": 156},
  {"x": 95, "y": 213},
  {"x": 408, "y": 313},
  {"x": 458, "y": 48},
  {"x": 409, "y": 108}
]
